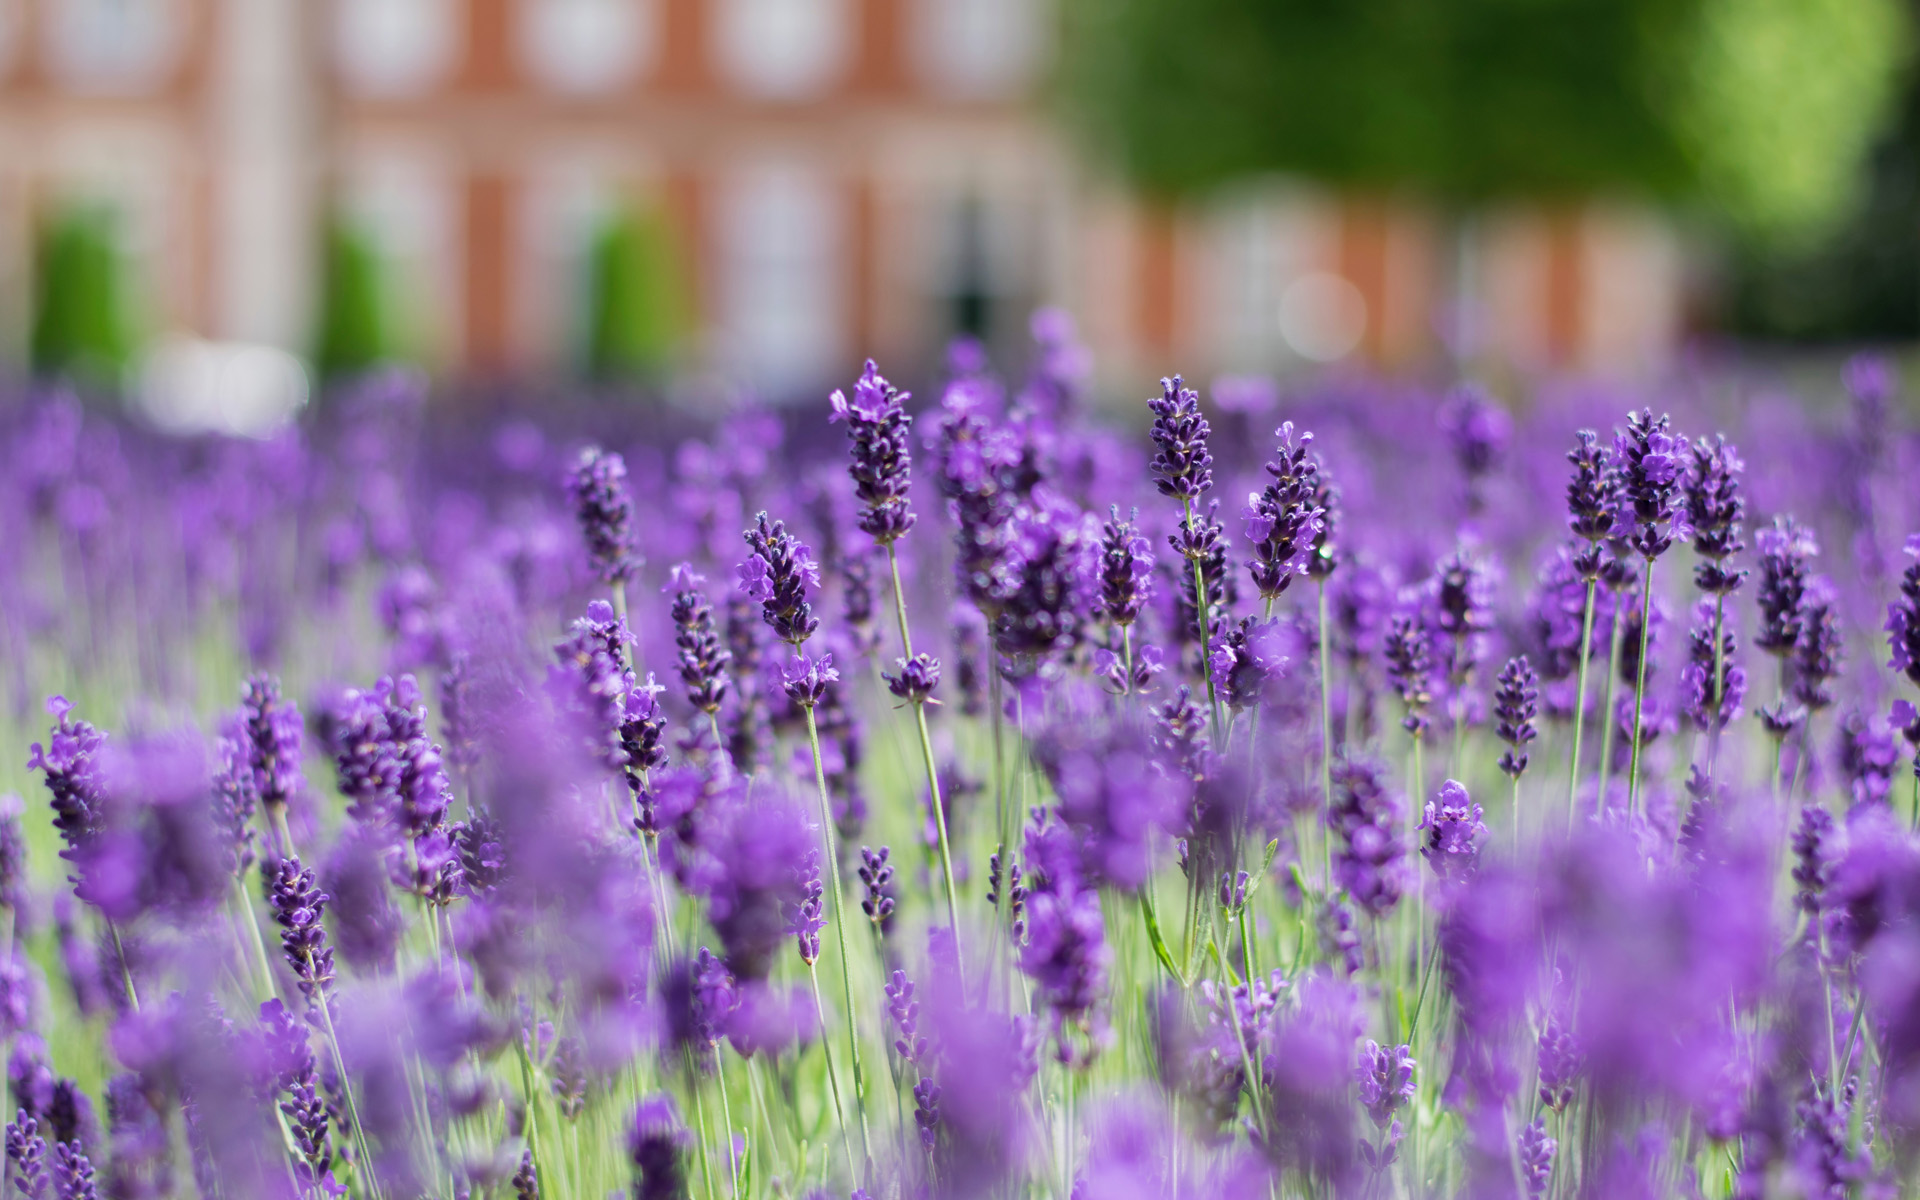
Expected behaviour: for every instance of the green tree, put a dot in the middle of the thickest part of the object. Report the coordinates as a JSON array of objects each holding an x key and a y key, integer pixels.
[
  {"x": 82, "y": 321},
  {"x": 635, "y": 307},
  {"x": 357, "y": 329},
  {"x": 1760, "y": 109}
]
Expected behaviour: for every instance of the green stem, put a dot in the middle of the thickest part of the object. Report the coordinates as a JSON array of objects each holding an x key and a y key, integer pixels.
[
  {"x": 840, "y": 928},
  {"x": 1606, "y": 710},
  {"x": 1326, "y": 706},
  {"x": 726, "y": 1115},
  {"x": 1719, "y": 682},
  {"x": 1640, "y": 689},
  {"x": 833, "y": 1074},
  {"x": 1580, "y": 706},
  {"x": 346, "y": 1089}
]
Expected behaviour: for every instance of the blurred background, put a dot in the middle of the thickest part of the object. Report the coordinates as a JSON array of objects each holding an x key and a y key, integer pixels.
[{"x": 217, "y": 206}]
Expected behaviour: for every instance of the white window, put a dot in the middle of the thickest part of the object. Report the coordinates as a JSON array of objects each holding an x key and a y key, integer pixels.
[
  {"x": 392, "y": 48},
  {"x": 113, "y": 45},
  {"x": 783, "y": 49},
  {"x": 978, "y": 49},
  {"x": 588, "y": 47},
  {"x": 782, "y": 279}
]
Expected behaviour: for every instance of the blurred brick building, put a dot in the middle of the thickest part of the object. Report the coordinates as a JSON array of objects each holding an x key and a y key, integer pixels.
[{"x": 836, "y": 177}]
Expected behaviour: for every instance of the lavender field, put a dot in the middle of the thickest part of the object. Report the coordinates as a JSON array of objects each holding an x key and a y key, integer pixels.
[{"x": 1344, "y": 789}]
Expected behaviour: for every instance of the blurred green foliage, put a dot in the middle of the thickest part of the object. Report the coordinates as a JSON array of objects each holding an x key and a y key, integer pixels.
[
  {"x": 1760, "y": 109},
  {"x": 357, "y": 325},
  {"x": 636, "y": 311},
  {"x": 83, "y": 322}
]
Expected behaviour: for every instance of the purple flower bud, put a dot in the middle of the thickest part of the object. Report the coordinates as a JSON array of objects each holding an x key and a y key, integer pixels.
[
  {"x": 1591, "y": 499},
  {"x": 703, "y": 660},
  {"x": 297, "y": 904},
  {"x": 1410, "y": 669},
  {"x": 1370, "y": 862},
  {"x": 1126, "y": 568},
  {"x": 1516, "y": 702},
  {"x": 882, "y": 462},
  {"x": 72, "y": 776},
  {"x": 1652, "y": 464},
  {"x": 1813, "y": 858},
  {"x": 778, "y": 574},
  {"x": 1697, "y": 680},
  {"x": 805, "y": 917},
  {"x": 27, "y": 1157},
  {"x": 603, "y": 504},
  {"x": 805, "y": 678},
  {"x": 1714, "y": 509},
  {"x": 1536, "y": 1152},
  {"x": 1785, "y": 549},
  {"x": 917, "y": 678},
  {"x": 1453, "y": 831},
  {"x": 876, "y": 877},
  {"x": 656, "y": 1146},
  {"x": 1386, "y": 1080},
  {"x": 1283, "y": 520},
  {"x": 274, "y": 741},
  {"x": 1183, "y": 467}
]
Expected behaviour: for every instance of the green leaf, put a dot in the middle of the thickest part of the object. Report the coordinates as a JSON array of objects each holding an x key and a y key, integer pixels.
[{"x": 1153, "y": 936}]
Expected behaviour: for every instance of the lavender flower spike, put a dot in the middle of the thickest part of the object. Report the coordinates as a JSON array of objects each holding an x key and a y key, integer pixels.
[
  {"x": 777, "y": 575},
  {"x": 656, "y": 1146},
  {"x": 273, "y": 743},
  {"x": 297, "y": 904},
  {"x": 882, "y": 464},
  {"x": 703, "y": 659},
  {"x": 603, "y": 503},
  {"x": 1283, "y": 520},
  {"x": 1453, "y": 830},
  {"x": 1903, "y": 618},
  {"x": 1183, "y": 467},
  {"x": 806, "y": 678},
  {"x": 1126, "y": 569},
  {"x": 1516, "y": 702}
]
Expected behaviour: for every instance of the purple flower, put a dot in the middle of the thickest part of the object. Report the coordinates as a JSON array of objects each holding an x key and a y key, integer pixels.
[
  {"x": 1785, "y": 548},
  {"x": 805, "y": 918},
  {"x": 918, "y": 677},
  {"x": 1410, "y": 669},
  {"x": 703, "y": 660},
  {"x": 1111, "y": 795},
  {"x": 1866, "y": 756},
  {"x": 1714, "y": 509},
  {"x": 696, "y": 999},
  {"x": 1283, "y": 520},
  {"x": 296, "y": 1073},
  {"x": 1697, "y": 677},
  {"x": 1126, "y": 568},
  {"x": 1536, "y": 1152},
  {"x": 656, "y": 1146},
  {"x": 589, "y": 680},
  {"x": 297, "y": 904},
  {"x": 274, "y": 748},
  {"x": 1042, "y": 613},
  {"x": 1200, "y": 540},
  {"x": 1560, "y": 1062},
  {"x": 1813, "y": 858},
  {"x": 1816, "y": 658},
  {"x": 1516, "y": 702},
  {"x": 1066, "y": 954},
  {"x": 1454, "y": 830},
  {"x": 1592, "y": 502},
  {"x": 1370, "y": 861},
  {"x": 1386, "y": 1080},
  {"x": 778, "y": 574},
  {"x": 27, "y": 1157},
  {"x": 805, "y": 678},
  {"x": 1652, "y": 465},
  {"x": 876, "y": 877},
  {"x": 603, "y": 504},
  {"x": 1182, "y": 466},
  {"x": 67, "y": 764},
  {"x": 882, "y": 462},
  {"x": 1477, "y": 430}
]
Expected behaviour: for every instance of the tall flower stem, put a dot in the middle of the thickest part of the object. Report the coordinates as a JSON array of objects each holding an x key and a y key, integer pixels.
[
  {"x": 1326, "y": 706},
  {"x": 840, "y": 932},
  {"x": 833, "y": 1074},
  {"x": 933, "y": 771},
  {"x": 1719, "y": 683},
  {"x": 346, "y": 1091},
  {"x": 1580, "y": 705},
  {"x": 1640, "y": 688},
  {"x": 1606, "y": 712},
  {"x": 1203, "y": 620}
]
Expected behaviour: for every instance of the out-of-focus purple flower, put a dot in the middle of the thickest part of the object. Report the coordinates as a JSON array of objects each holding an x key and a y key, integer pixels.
[
  {"x": 67, "y": 764},
  {"x": 768, "y": 1019},
  {"x": 1200, "y": 540},
  {"x": 777, "y": 574},
  {"x": 1903, "y": 617},
  {"x": 1652, "y": 465},
  {"x": 1866, "y": 756},
  {"x": 1282, "y": 520},
  {"x": 757, "y": 883},
  {"x": 1049, "y": 542},
  {"x": 1111, "y": 795},
  {"x": 656, "y": 1146},
  {"x": 1697, "y": 677},
  {"x": 1453, "y": 830},
  {"x": 297, "y": 904},
  {"x": 1180, "y": 735},
  {"x": 748, "y": 735},
  {"x": 590, "y": 682},
  {"x": 806, "y": 678},
  {"x": 1370, "y": 862},
  {"x": 1245, "y": 659},
  {"x": 295, "y": 1072},
  {"x": 1463, "y": 609},
  {"x": 1714, "y": 509},
  {"x": 1409, "y": 657},
  {"x": 1536, "y": 1152},
  {"x": 1813, "y": 855},
  {"x": 274, "y": 741},
  {"x": 1305, "y": 1069},
  {"x": 1559, "y": 1061},
  {"x": 603, "y": 504},
  {"x": 365, "y": 920},
  {"x": 1066, "y": 954},
  {"x": 1385, "y": 1076},
  {"x": 917, "y": 678},
  {"x": 1816, "y": 658},
  {"x": 697, "y": 997},
  {"x": 1126, "y": 568},
  {"x": 703, "y": 660},
  {"x": 1785, "y": 550},
  {"x": 1182, "y": 466},
  {"x": 1516, "y": 702},
  {"x": 882, "y": 460}
]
